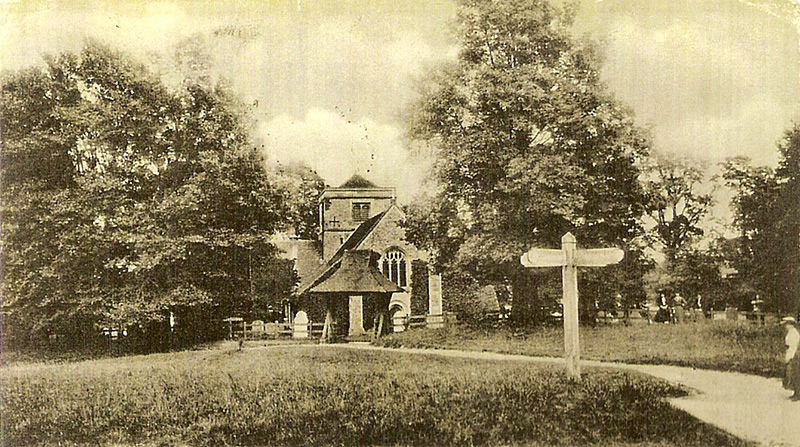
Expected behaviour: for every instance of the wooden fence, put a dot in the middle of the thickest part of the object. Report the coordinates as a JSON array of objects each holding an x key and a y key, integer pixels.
[
  {"x": 415, "y": 321},
  {"x": 267, "y": 331},
  {"x": 256, "y": 330}
]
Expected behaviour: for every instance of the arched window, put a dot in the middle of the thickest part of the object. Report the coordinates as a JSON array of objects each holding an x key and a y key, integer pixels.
[{"x": 394, "y": 267}]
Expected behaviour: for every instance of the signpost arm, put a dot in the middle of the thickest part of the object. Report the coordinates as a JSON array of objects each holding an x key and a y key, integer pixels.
[
  {"x": 569, "y": 276},
  {"x": 569, "y": 258}
]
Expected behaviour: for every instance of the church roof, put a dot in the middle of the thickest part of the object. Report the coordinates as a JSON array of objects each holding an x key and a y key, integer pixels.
[
  {"x": 356, "y": 181},
  {"x": 358, "y": 236},
  {"x": 353, "y": 275},
  {"x": 353, "y": 241}
]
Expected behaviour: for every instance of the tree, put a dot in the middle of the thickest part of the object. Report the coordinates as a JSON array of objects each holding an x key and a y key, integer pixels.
[
  {"x": 788, "y": 225},
  {"x": 676, "y": 206},
  {"x": 766, "y": 209},
  {"x": 696, "y": 271},
  {"x": 675, "y": 202},
  {"x": 123, "y": 201},
  {"x": 304, "y": 188},
  {"x": 528, "y": 144}
]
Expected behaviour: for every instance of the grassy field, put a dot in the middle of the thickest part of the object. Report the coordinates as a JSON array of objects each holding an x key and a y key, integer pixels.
[
  {"x": 325, "y": 396},
  {"x": 714, "y": 345},
  {"x": 43, "y": 356}
]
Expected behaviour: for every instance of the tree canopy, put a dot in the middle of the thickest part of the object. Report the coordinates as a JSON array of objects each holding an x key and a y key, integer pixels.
[
  {"x": 766, "y": 209},
  {"x": 305, "y": 187},
  {"x": 675, "y": 202},
  {"x": 529, "y": 144},
  {"x": 678, "y": 199},
  {"x": 123, "y": 200}
]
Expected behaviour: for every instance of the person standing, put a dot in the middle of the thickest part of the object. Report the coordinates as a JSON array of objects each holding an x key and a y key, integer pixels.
[
  {"x": 662, "y": 314},
  {"x": 678, "y": 308},
  {"x": 791, "y": 380}
]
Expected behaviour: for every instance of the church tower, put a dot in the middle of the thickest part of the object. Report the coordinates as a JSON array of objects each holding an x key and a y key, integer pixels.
[{"x": 344, "y": 208}]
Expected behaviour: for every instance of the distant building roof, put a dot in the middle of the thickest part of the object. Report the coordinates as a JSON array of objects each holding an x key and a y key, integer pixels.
[
  {"x": 353, "y": 275},
  {"x": 357, "y": 187},
  {"x": 356, "y": 181},
  {"x": 305, "y": 253}
]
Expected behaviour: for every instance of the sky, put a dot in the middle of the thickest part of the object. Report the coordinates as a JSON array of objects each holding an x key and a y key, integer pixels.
[{"x": 328, "y": 82}]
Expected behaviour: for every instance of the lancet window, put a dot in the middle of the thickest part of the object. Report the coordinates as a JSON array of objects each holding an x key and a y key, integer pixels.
[{"x": 394, "y": 267}]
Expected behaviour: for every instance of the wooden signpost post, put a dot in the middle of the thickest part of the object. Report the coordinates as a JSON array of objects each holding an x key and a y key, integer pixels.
[{"x": 569, "y": 258}]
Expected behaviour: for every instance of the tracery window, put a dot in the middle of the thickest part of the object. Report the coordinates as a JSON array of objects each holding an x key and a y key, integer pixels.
[{"x": 394, "y": 267}]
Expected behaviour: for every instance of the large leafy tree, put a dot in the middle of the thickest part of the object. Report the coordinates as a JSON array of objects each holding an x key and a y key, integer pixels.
[
  {"x": 676, "y": 202},
  {"x": 678, "y": 199},
  {"x": 766, "y": 209},
  {"x": 529, "y": 145},
  {"x": 123, "y": 200}
]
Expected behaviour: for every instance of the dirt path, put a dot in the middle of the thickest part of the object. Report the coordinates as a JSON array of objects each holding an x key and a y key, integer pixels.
[{"x": 751, "y": 407}]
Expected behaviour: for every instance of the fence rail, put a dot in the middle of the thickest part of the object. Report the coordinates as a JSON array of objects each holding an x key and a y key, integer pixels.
[
  {"x": 315, "y": 329},
  {"x": 263, "y": 331},
  {"x": 417, "y": 321}
]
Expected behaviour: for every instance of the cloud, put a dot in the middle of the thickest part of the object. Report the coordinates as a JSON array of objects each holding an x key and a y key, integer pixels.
[
  {"x": 31, "y": 31},
  {"x": 291, "y": 56},
  {"x": 329, "y": 78},
  {"x": 337, "y": 147}
]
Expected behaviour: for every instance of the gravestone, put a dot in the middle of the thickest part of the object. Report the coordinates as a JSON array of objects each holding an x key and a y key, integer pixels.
[
  {"x": 300, "y": 325},
  {"x": 569, "y": 258},
  {"x": 435, "y": 318}
]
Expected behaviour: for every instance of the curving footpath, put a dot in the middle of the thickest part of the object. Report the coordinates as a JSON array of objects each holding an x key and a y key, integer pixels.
[{"x": 751, "y": 407}]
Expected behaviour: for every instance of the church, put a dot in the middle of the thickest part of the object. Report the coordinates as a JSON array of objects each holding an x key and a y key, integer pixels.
[{"x": 362, "y": 278}]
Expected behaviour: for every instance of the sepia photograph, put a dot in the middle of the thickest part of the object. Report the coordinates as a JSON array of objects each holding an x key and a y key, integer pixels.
[{"x": 400, "y": 223}]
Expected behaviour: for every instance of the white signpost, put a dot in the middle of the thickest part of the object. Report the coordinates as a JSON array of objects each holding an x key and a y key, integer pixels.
[{"x": 569, "y": 258}]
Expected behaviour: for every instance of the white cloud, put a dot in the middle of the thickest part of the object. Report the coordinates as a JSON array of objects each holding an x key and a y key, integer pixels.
[
  {"x": 337, "y": 148},
  {"x": 302, "y": 63}
]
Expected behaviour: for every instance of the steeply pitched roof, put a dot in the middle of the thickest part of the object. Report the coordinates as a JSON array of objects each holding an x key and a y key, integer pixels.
[
  {"x": 354, "y": 275},
  {"x": 356, "y": 181},
  {"x": 358, "y": 236},
  {"x": 352, "y": 243}
]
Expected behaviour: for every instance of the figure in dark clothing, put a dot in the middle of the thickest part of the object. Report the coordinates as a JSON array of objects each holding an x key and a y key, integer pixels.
[{"x": 662, "y": 314}]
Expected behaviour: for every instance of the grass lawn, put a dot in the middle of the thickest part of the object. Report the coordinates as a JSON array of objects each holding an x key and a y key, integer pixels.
[
  {"x": 718, "y": 345},
  {"x": 323, "y": 396}
]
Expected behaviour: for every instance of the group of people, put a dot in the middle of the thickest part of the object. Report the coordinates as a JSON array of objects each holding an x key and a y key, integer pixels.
[
  {"x": 672, "y": 312},
  {"x": 676, "y": 311}
]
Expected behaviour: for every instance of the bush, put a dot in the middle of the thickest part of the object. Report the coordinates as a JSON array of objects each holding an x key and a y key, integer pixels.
[{"x": 459, "y": 295}]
